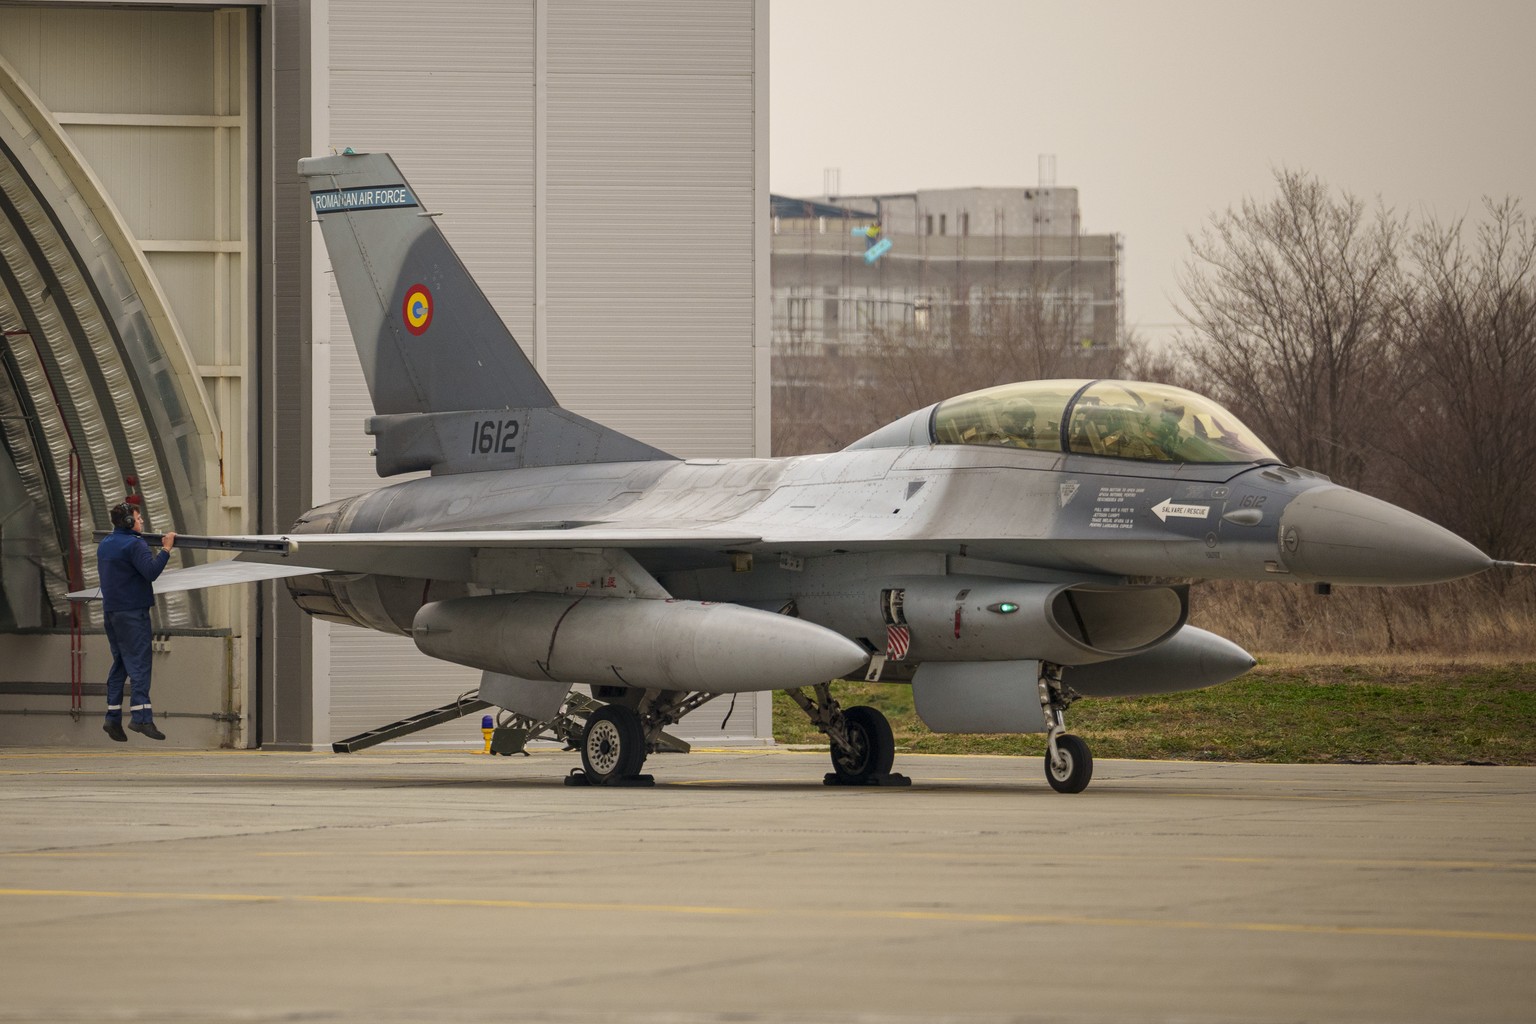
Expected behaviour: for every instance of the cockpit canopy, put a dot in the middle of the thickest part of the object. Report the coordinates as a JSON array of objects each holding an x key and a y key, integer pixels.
[{"x": 1115, "y": 418}]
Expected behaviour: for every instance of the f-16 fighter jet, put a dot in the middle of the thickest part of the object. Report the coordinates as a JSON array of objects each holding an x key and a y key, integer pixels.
[{"x": 1003, "y": 552}]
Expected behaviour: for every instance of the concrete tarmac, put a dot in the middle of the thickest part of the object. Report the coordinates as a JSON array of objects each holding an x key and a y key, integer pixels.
[{"x": 448, "y": 886}]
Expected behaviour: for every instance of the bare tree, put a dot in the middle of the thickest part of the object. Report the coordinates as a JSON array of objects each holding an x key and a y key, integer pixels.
[
  {"x": 1466, "y": 441},
  {"x": 993, "y": 338},
  {"x": 1034, "y": 335},
  {"x": 1292, "y": 302},
  {"x": 826, "y": 401},
  {"x": 1141, "y": 359},
  {"x": 810, "y": 407}
]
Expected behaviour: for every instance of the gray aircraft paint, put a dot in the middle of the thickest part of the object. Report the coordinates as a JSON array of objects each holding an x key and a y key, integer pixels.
[{"x": 1013, "y": 559}]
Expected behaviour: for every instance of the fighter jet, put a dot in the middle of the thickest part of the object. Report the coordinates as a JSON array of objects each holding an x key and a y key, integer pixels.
[{"x": 1003, "y": 552}]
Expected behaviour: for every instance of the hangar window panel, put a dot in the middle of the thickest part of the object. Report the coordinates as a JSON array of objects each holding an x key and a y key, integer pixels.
[
  {"x": 128, "y": 61},
  {"x": 187, "y": 279},
  {"x": 20, "y": 41},
  {"x": 157, "y": 176}
]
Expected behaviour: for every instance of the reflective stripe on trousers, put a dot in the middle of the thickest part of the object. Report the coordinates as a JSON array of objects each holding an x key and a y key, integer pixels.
[{"x": 131, "y": 640}]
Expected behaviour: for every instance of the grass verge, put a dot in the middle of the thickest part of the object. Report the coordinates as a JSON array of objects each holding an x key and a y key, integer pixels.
[{"x": 1376, "y": 711}]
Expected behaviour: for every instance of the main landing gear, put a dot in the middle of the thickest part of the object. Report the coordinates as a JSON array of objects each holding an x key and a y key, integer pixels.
[
  {"x": 613, "y": 746},
  {"x": 1068, "y": 762},
  {"x": 619, "y": 735},
  {"x": 863, "y": 748}
]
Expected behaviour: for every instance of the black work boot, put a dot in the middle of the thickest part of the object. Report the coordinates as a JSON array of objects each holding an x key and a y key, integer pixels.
[
  {"x": 115, "y": 730},
  {"x": 146, "y": 729}
]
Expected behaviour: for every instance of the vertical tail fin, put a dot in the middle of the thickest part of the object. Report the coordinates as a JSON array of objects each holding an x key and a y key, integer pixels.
[
  {"x": 428, "y": 338},
  {"x": 452, "y": 391}
]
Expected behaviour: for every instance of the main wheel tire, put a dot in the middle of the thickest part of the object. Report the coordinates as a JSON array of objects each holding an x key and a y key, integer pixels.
[
  {"x": 613, "y": 746},
  {"x": 874, "y": 748},
  {"x": 1076, "y": 769}
]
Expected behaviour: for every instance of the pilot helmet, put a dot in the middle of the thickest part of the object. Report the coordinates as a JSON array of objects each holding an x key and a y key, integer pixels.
[{"x": 1017, "y": 417}]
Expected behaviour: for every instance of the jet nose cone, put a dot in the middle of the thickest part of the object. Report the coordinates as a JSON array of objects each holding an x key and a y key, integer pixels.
[{"x": 1337, "y": 535}]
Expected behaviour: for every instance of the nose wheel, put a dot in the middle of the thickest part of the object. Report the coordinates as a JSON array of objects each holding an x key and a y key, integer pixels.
[
  {"x": 1068, "y": 763},
  {"x": 1069, "y": 766}
]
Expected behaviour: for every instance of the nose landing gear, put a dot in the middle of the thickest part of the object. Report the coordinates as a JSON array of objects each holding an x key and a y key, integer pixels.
[
  {"x": 1069, "y": 765},
  {"x": 1068, "y": 762}
]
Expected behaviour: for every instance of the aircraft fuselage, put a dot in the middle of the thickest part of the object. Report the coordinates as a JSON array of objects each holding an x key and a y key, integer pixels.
[{"x": 896, "y": 512}]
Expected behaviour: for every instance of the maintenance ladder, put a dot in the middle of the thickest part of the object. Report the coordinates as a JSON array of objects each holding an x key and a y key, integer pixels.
[
  {"x": 513, "y": 731},
  {"x": 426, "y": 720}
]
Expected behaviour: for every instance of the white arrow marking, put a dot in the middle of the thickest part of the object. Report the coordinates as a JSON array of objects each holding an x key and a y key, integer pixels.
[{"x": 1167, "y": 508}]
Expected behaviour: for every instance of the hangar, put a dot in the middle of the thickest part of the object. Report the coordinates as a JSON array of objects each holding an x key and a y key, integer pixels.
[{"x": 170, "y": 328}]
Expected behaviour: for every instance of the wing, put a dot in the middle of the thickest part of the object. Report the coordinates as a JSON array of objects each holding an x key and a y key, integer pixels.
[
  {"x": 433, "y": 554},
  {"x": 437, "y": 554}
]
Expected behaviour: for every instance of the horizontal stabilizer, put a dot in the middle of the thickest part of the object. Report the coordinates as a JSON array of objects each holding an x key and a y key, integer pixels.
[
  {"x": 473, "y": 442},
  {"x": 214, "y": 574}
]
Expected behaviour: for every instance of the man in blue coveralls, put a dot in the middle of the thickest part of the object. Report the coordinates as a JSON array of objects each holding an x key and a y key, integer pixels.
[{"x": 127, "y": 569}]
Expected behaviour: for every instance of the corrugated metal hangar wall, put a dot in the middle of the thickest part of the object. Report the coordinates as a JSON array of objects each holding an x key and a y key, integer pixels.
[
  {"x": 595, "y": 165},
  {"x": 601, "y": 167}
]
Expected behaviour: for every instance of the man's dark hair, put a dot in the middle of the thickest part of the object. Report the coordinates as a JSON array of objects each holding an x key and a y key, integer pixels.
[{"x": 122, "y": 515}]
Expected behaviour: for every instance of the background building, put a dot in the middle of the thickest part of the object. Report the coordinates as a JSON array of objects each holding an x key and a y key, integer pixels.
[
  {"x": 1001, "y": 280},
  {"x": 169, "y": 319},
  {"x": 952, "y": 252}
]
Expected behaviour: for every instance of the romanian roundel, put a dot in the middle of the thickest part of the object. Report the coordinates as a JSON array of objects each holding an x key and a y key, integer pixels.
[{"x": 417, "y": 309}]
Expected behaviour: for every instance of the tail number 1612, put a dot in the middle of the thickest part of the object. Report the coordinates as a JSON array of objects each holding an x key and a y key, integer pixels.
[{"x": 491, "y": 436}]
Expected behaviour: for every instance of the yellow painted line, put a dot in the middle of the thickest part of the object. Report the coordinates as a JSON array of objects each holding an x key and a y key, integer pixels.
[
  {"x": 935, "y": 916},
  {"x": 1360, "y": 862},
  {"x": 71, "y": 854},
  {"x": 791, "y": 780},
  {"x": 24, "y": 755},
  {"x": 1010, "y": 856},
  {"x": 422, "y": 780},
  {"x": 546, "y": 749},
  {"x": 350, "y": 854},
  {"x": 920, "y": 785},
  {"x": 347, "y": 854}
]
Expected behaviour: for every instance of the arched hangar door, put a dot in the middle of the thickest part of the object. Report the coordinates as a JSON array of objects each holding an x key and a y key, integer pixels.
[{"x": 126, "y": 286}]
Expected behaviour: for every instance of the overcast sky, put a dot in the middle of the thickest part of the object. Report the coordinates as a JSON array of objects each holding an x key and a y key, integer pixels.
[{"x": 1160, "y": 112}]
